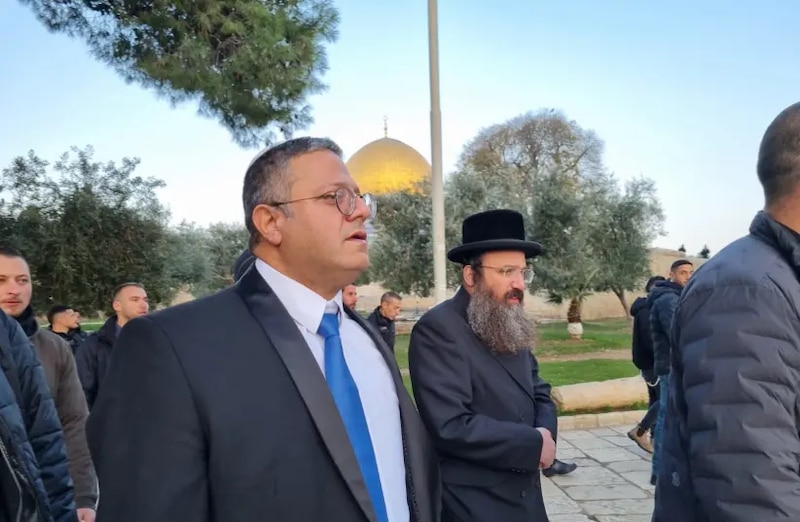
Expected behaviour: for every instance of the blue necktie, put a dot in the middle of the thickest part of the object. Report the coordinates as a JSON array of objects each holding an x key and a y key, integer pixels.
[{"x": 345, "y": 395}]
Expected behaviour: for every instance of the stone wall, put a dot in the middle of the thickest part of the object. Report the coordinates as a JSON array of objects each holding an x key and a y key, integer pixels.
[{"x": 598, "y": 306}]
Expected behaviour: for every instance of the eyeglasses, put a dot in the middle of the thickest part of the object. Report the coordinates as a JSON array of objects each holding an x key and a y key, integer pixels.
[
  {"x": 345, "y": 200},
  {"x": 510, "y": 272}
]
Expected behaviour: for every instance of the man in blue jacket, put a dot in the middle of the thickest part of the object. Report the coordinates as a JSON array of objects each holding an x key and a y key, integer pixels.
[
  {"x": 34, "y": 477},
  {"x": 663, "y": 299}
]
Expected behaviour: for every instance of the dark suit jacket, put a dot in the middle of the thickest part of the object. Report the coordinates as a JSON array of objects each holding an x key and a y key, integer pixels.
[
  {"x": 482, "y": 410},
  {"x": 216, "y": 411}
]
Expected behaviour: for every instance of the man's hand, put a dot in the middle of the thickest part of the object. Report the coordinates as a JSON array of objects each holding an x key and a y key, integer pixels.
[
  {"x": 86, "y": 515},
  {"x": 548, "y": 449}
]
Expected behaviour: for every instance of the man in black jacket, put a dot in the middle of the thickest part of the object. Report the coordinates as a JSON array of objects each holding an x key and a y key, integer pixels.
[
  {"x": 269, "y": 400},
  {"x": 129, "y": 301},
  {"x": 732, "y": 440},
  {"x": 384, "y": 316},
  {"x": 64, "y": 322},
  {"x": 643, "y": 358},
  {"x": 663, "y": 299}
]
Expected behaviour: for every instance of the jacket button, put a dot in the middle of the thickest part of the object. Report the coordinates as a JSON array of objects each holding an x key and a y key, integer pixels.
[{"x": 523, "y": 493}]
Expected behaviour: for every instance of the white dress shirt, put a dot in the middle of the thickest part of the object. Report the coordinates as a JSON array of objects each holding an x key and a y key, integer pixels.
[{"x": 370, "y": 373}]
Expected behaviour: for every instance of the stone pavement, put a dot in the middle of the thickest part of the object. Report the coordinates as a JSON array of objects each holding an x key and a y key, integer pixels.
[{"x": 611, "y": 484}]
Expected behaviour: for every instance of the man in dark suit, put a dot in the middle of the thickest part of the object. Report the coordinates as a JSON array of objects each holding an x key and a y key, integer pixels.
[
  {"x": 477, "y": 384},
  {"x": 268, "y": 400}
]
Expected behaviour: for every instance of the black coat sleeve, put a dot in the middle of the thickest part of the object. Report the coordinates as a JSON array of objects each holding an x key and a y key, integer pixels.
[
  {"x": 741, "y": 367},
  {"x": 546, "y": 411},
  {"x": 43, "y": 427},
  {"x": 440, "y": 377},
  {"x": 145, "y": 434},
  {"x": 86, "y": 365}
]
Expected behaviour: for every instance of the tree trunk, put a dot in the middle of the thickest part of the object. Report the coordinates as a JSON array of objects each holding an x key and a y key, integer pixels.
[
  {"x": 621, "y": 296},
  {"x": 574, "y": 326}
]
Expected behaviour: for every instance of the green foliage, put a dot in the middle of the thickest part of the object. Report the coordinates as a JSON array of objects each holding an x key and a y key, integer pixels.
[
  {"x": 88, "y": 226},
  {"x": 251, "y": 64},
  {"x": 620, "y": 236},
  {"x": 596, "y": 237},
  {"x": 85, "y": 229},
  {"x": 402, "y": 255},
  {"x": 203, "y": 258},
  {"x": 705, "y": 253}
]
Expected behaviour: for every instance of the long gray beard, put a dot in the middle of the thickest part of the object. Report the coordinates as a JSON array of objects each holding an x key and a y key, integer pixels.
[{"x": 503, "y": 328}]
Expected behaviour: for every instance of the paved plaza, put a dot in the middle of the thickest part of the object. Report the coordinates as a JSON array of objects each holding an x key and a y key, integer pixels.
[{"x": 611, "y": 484}]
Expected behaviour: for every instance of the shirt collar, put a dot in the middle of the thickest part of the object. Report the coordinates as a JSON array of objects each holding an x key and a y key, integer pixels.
[{"x": 304, "y": 305}]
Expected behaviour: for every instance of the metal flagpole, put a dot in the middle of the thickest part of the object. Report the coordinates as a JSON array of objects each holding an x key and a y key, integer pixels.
[{"x": 437, "y": 182}]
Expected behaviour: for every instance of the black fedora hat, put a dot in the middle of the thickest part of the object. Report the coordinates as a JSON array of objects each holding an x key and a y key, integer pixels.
[{"x": 493, "y": 230}]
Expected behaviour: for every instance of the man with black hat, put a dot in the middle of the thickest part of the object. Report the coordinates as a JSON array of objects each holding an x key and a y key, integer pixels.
[{"x": 477, "y": 384}]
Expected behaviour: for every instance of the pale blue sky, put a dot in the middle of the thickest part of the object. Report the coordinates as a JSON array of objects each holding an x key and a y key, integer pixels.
[{"x": 679, "y": 92}]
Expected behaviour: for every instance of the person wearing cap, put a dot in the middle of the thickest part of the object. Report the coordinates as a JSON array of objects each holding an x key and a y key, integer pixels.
[
  {"x": 476, "y": 382},
  {"x": 269, "y": 400}
]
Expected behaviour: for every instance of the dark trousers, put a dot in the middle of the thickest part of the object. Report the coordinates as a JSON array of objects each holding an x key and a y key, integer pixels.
[{"x": 649, "y": 419}]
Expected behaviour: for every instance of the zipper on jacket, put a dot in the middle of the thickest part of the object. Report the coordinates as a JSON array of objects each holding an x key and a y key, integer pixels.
[
  {"x": 19, "y": 473},
  {"x": 7, "y": 459}
]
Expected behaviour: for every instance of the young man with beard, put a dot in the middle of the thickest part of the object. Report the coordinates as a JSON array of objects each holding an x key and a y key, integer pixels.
[
  {"x": 350, "y": 297},
  {"x": 16, "y": 291},
  {"x": 477, "y": 384}
]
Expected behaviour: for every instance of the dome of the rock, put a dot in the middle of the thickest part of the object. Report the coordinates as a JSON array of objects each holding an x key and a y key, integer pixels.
[{"x": 386, "y": 166}]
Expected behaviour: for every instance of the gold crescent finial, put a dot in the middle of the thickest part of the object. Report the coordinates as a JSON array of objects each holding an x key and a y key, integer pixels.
[{"x": 385, "y": 127}]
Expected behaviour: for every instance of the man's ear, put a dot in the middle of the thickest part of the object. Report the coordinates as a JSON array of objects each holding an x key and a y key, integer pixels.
[
  {"x": 268, "y": 221},
  {"x": 468, "y": 275}
]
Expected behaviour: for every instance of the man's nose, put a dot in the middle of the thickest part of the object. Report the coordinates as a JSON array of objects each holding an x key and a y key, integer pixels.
[
  {"x": 518, "y": 283},
  {"x": 361, "y": 211},
  {"x": 12, "y": 288}
]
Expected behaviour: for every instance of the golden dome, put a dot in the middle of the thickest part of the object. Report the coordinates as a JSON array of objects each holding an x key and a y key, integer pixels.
[{"x": 387, "y": 166}]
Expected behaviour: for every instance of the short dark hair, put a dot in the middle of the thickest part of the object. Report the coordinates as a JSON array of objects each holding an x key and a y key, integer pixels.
[
  {"x": 55, "y": 310},
  {"x": 10, "y": 251},
  {"x": 267, "y": 178},
  {"x": 389, "y": 296},
  {"x": 679, "y": 263},
  {"x": 122, "y": 287},
  {"x": 652, "y": 281},
  {"x": 778, "y": 164}
]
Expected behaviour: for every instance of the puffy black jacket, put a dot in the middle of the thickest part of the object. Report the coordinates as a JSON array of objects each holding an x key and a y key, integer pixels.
[
  {"x": 642, "y": 346},
  {"x": 33, "y": 457},
  {"x": 731, "y": 449},
  {"x": 663, "y": 298}
]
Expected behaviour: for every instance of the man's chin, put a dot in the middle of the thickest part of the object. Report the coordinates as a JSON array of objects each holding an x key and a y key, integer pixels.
[{"x": 12, "y": 311}]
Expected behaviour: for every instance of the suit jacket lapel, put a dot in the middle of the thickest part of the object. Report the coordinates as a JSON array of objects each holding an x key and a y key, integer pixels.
[
  {"x": 283, "y": 335},
  {"x": 518, "y": 367}
]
